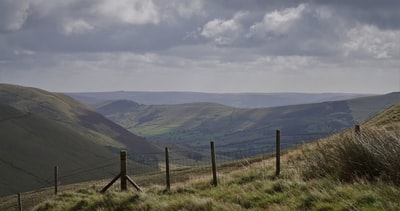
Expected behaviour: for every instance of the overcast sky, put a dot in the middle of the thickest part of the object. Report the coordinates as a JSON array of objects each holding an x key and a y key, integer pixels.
[{"x": 201, "y": 45}]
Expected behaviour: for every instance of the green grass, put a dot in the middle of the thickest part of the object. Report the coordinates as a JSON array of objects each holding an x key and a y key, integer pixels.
[{"x": 251, "y": 188}]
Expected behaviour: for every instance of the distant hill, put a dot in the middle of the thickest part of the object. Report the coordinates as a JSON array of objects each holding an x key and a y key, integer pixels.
[
  {"x": 238, "y": 100},
  {"x": 39, "y": 130},
  {"x": 196, "y": 124}
]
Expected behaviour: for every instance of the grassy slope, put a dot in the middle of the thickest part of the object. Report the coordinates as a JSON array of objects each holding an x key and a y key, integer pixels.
[
  {"x": 251, "y": 190},
  {"x": 253, "y": 187},
  {"x": 40, "y": 129}
]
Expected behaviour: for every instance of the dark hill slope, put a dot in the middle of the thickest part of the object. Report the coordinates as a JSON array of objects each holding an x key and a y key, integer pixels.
[
  {"x": 71, "y": 113},
  {"x": 39, "y": 130},
  {"x": 31, "y": 146}
]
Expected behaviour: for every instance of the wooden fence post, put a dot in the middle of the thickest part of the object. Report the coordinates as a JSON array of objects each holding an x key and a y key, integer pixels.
[
  {"x": 19, "y": 202},
  {"x": 214, "y": 165},
  {"x": 123, "y": 170},
  {"x": 167, "y": 169},
  {"x": 122, "y": 176},
  {"x": 357, "y": 130},
  {"x": 55, "y": 180},
  {"x": 278, "y": 152}
]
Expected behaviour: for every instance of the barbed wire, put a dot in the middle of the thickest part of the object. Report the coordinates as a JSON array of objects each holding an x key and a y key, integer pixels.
[
  {"x": 180, "y": 159},
  {"x": 38, "y": 178}
]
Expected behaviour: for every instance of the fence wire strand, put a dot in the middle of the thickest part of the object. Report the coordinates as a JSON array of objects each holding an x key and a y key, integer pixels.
[{"x": 153, "y": 166}]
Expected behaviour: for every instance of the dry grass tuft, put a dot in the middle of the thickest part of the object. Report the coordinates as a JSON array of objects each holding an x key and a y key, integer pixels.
[{"x": 372, "y": 155}]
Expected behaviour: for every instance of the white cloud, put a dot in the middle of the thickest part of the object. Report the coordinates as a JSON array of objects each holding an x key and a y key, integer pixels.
[
  {"x": 277, "y": 22},
  {"x": 370, "y": 41},
  {"x": 223, "y": 32},
  {"x": 135, "y": 12},
  {"x": 76, "y": 27}
]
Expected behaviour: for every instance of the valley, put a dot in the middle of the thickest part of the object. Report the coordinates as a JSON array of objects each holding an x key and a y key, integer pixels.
[{"x": 195, "y": 124}]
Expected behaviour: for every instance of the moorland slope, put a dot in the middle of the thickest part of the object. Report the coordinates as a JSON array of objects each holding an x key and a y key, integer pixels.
[{"x": 40, "y": 129}]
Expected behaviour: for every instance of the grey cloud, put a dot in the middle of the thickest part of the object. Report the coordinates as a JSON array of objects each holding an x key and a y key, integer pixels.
[
  {"x": 86, "y": 26},
  {"x": 80, "y": 26},
  {"x": 383, "y": 14},
  {"x": 13, "y": 15},
  {"x": 208, "y": 38}
]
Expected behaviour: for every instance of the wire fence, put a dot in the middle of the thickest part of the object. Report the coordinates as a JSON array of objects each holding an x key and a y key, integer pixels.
[{"x": 150, "y": 168}]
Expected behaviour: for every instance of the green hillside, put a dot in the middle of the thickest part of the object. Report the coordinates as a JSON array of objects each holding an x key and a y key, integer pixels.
[
  {"x": 196, "y": 124},
  {"x": 340, "y": 172},
  {"x": 39, "y": 130}
]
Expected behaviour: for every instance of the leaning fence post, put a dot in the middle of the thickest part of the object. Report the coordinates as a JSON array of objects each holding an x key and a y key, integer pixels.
[
  {"x": 357, "y": 130},
  {"x": 167, "y": 169},
  {"x": 214, "y": 165},
  {"x": 278, "y": 152},
  {"x": 123, "y": 170},
  {"x": 55, "y": 180},
  {"x": 19, "y": 202}
]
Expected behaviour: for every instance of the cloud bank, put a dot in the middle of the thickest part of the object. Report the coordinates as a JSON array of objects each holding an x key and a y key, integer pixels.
[{"x": 201, "y": 45}]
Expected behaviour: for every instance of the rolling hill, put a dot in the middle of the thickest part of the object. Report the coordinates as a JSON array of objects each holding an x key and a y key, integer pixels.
[
  {"x": 39, "y": 130},
  {"x": 195, "y": 124},
  {"x": 238, "y": 100}
]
